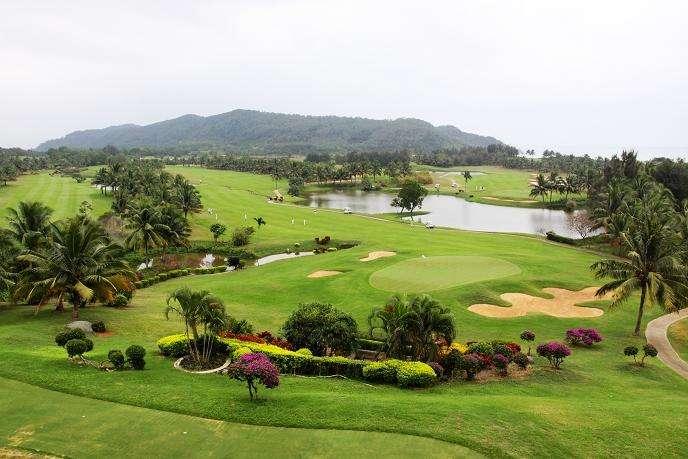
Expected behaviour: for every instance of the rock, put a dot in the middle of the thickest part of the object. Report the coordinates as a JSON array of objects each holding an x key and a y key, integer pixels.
[{"x": 83, "y": 325}]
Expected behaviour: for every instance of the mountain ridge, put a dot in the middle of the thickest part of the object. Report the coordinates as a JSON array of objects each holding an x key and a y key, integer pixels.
[{"x": 251, "y": 130}]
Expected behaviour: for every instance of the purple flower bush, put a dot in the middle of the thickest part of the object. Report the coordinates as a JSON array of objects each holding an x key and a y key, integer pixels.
[
  {"x": 254, "y": 368},
  {"x": 528, "y": 336},
  {"x": 501, "y": 362},
  {"x": 583, "y": 336},
  {"x": 554, "y": 351}
]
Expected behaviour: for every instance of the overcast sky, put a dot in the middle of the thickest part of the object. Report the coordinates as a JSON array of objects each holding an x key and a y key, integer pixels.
[{"x": 579, "y": 76}]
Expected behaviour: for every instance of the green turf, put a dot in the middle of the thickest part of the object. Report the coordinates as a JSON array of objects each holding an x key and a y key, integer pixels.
[
  {"x": 80, "y": 427},
  {"x": 441, "y": 272},
  {"x": 678, "y": 336},
  {"x": 597, "y": 405}
]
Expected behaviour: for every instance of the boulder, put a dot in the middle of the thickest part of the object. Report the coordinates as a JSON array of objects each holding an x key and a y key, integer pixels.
[{"x": 83, "y": 325}]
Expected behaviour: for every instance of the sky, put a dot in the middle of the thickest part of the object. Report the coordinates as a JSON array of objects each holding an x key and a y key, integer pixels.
[{"x": 579, "y": 77}]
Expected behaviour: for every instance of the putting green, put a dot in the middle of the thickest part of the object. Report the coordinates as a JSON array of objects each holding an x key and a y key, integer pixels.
[{"x": 438, "y": 273}]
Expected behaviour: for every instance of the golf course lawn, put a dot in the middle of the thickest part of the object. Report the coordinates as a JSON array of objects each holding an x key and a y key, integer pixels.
[
  {"x": 428, "y": 274},
  {"x": 502, "y": 186},
  {"x": 596, "y": 405},
  {"x": 678, "y": 336}
]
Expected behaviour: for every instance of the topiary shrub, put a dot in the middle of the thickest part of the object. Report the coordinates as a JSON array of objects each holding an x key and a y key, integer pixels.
[
  {"x": 631, "y": 351},
  {"x": 580, "y": 336},
  {"x": 415, "y": 374},
  {"x": 121, "y": 299},
  {"x": 240, "y": 351},
  {"x": 320, "y": 327},
  {"x": 116, "y": 358},
  {"x": 254, "y": 368},
  {"x": 64, "y": 336},
  {"x": 381, "y": 372},
  {"x": 174, "y": 345},
  {"x": 135, "y": 355},
  {"x": 528, "y": 336},
  {"x": 77, "y": 347},
  {"x": 554, "y": 352},
  {"x": 98, "y": 326},
  {"x": 304, "y": 351},
  {"x": 648, "y": 351}
]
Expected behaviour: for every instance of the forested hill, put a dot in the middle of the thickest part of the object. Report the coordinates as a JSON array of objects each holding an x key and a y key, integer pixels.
[{"x": 248, "y": 130}]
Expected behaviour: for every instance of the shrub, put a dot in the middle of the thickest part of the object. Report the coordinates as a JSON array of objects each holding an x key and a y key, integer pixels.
[
  {"x": 648, "y": 351},
  {"x": 72, "y": 333},
  {"x": 631, "y": 351},
  {"x": 116, "y": 358},
  {"x": 381, "y": 372},
  {"x": 452, "y": 362},
  {"x": 502, "y": 349},
  {"x": 76, "y": 347},
  {"x": 238, "y": 352},
  {"x": 483, "y": 348},
  {"x": 320, "y": 327},
  {"x": 514, "y": 348},
  {"x": 241, "y": 236},
  {"x": 415, "y": 374},
  {"x": 460, "y": 347},
  {"x": 472, "y": 364},
  {"x": 304, "y": 351},
  {"x": 583, "y": 336},
  {"x": 239, "y": 326},
  {"x": 135, "y": 355},
  {"x": 254, "y": 368},
  {"x": 121, "y": 299},
  {"x": 501, "y": 362},
  {"x": 174, "y": 345},
  {"x": 98, "y": 326},
  {"x": 521, "y": 360},
  {"x": 370, "y": 345},
  {"x": 528, "y": 336},
  {"x": 554, "y": 352},
  {"x": 437, "y": 368}
]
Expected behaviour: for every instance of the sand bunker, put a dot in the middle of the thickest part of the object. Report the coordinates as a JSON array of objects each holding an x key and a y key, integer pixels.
[
  {"x": 375, "y": 255},
  {"x": 562, "y": 305},
  {"x": 317, "y": 274}
]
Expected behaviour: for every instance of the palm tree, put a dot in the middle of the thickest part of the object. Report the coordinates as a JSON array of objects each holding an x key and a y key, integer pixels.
[
  {"x": 552, "y": 184},
  {"x": 29, "y": 223},
  {"x": 144, "y": 222},
  {"x": 189, "y": 198},
  {"x": 539, "y": 187},
  {"x": 198, "y": 309},
  {"x": 260, "y": 221},
  {"x": 653, "y": 264},
  {"x": 416, "y": 324},
  {"x": 466, "y": 177},
  {"x": 79, "y": 263}
]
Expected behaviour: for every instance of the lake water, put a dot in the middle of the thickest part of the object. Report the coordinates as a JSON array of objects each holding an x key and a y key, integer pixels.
[{"x": 452, "y": 212}]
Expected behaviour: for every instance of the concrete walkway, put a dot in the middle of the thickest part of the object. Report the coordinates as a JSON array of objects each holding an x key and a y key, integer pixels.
[{"x": 656, "y": 334}]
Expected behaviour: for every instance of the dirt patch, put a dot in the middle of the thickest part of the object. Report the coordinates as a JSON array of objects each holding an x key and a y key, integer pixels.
[
  {"x": 318, "y": 274},
  {"x": 562, "y": 305},
  {"x": 10, "y": 453},
  {"x": 105, "y": 334},
  {"x": 379, "y": 254}
]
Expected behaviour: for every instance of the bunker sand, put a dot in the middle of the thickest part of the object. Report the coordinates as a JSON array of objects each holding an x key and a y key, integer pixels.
[
  {"x": 380, "y": 254},
  {"x": 318, "y": 274},
  {"x": 562, "y": 305}
]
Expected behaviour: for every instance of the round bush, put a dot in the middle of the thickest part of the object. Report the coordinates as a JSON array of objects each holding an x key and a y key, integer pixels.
[
  {"x": 583, "y": 336},
  {"x": 527, "y": 335},
  {"x": 238, "y": 352},
  {"x": 116, "y": 358},
  {"x": 554, "y": 351},
  {"x": 73, "y": 333},
  {"x": 98, "y": 327},
  {"x": 501, "y": 362},
  {"x": 89, "y": 344},
  {"x": 415, "y": 374},
  {"x": 472, "y": 364},
  {"x": 120, "y": 301},
  {"x": 304, "y": 351},
  {"x": 381, "y": 372},
  {"x": 630, "y": 351},
  {"x": 521, "y": 360},
  {"x": 76, "y": 347},
  {"x": 437, "y": 368},
  {"x": 135, "y": 354},
  {"x": 483, "y": 348}
]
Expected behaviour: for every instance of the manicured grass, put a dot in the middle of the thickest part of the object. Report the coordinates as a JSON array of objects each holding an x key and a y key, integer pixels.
[
  {"x": 597, "y": 405},
  {"x": 439, "y": 273},
  {"x": 678, "y": 336},
  {"x": 63, "y": 194},
  {"x": 502, "y": 186},
  {"x": 80, "y": 427}
]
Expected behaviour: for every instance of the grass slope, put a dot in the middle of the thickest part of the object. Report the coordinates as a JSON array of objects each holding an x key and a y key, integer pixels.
[
  {"x": 678, "y": 336},
  {"x": 595, "y": 406}
]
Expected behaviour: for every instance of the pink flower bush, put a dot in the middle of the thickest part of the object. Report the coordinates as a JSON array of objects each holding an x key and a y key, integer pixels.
[
  {"x": 254, "y": 368},
  {"x": 554, "y": 351},
  {"x": 583, "y": 336}
]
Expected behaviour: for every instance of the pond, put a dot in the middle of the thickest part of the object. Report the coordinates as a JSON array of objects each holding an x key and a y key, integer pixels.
[{"x": 452, "y": 212}]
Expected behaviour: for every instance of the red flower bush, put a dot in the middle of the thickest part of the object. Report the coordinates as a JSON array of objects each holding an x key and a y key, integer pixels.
[
  {"x": 583, "y": 336},
  {"x": 554, "y": 351},
  {"x": 243, "y": 337},
  {"x": 514, "y": 348},
  {"x": 254, "y": 368}
]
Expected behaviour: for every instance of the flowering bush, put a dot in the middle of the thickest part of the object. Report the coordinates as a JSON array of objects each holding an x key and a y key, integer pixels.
[
  {"x": 527, "y": 335},
  {"x": 583, "y": 336},
  {"x": 472, "y": 364},
  {"x": 462, "y": 348},
  {"x": 437, "y": 368},
  {"x": 521, "y": 360},
  {"x": 502, "y": 348},
  {"x": 275, "y": 340},
  {"x": 482, "y": 347},
  {"x": 254, "y": 368},
  {"x": 243, "y": 337},
  {"x": 514, "y": 348},
  {"x": 648, "y": 351},
  {"x": 554, "y": 351},
  {"x": 501, "y": 362}
]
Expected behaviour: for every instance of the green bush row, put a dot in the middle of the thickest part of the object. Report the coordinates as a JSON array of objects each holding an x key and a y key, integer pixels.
[
  {"x": 148, "y": 281},
  {"x": 405, "y": 374}
]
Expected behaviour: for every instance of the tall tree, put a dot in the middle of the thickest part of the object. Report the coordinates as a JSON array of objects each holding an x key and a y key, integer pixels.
[
  {"x": 29, "y": 223},
  {"x": 145, "y": 226}
]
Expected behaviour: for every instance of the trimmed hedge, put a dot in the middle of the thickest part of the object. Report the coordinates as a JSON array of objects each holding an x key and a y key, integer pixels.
[
  {"x": 405, "y": 374},
  {"x": 148, "y": 281}
]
